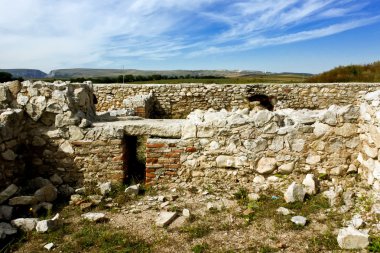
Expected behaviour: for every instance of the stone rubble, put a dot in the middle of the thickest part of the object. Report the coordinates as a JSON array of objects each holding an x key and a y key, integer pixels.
[{"x": 351, "y": 238}]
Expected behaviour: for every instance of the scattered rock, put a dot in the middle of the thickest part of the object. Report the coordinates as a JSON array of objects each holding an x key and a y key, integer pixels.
[
  {"x": 356, "y": 221},
  {"x": 333, "y": 195},
  {"x": 294, "y": 193},
  {"x": 299, "y": 220},
  {"x": 96, "y": 217},
  {"x": 105, "y": 188},
  {"x": 284, "y": 211},
  {"x": 49, "y": 246},
  {"x": 253, "y": 196},
  {"x": 165, "y": 218},
  {"x": 25, "y": 224},
  {"x": 8, "y": 192},
  {"x": 310, "y": 184},
  {"x": 133, "y": 190},
  {"x": 286, "y": 168},
  {"x": 351, "y": 238},
  {"x": 47, "y": 225},
  {"x": 186, "y": 213}
]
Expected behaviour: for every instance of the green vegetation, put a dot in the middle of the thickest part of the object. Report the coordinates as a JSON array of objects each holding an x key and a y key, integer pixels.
[
  {"x": 326, "y": 241},
  {"x": 6, "y": 77},
  {"x": 351, "y": 73},
  {"x": 196, "y": 231},
  {"x": 200, "y": 248},
  {"x": 374, "y": 245}
]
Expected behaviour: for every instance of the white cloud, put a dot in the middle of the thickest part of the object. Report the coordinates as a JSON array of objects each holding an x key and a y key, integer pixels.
[{"x": 71, "y": 33}]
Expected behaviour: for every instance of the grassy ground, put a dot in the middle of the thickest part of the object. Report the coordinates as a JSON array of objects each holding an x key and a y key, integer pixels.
[{"x": 240, "y": 225}]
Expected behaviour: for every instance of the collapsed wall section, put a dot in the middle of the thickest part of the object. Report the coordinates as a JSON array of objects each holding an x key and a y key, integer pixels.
[{"x": 178, "y": 100}]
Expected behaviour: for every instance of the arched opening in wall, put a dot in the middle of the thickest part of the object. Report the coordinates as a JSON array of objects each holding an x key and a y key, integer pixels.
[
  {"x": 264, "y": 101},
  {"x": 134, "y": 159}
]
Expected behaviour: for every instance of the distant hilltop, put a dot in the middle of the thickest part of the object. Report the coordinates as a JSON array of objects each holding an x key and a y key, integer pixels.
[
  {"x": 96, "y": 73},
  {"x": 25, "y": 73}
]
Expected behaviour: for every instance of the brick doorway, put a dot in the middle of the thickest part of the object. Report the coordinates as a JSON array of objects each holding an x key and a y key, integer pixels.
[{"x": 134, "y": 159}]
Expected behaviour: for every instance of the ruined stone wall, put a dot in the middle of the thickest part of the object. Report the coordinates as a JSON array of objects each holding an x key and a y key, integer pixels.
[
  {"x": 178, "y": 100},
  {"x": 369, "y": 129},
  {"x": 237, "y": 146}
]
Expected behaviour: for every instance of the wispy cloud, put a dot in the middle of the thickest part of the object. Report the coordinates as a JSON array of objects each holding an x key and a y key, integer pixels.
[{"x": 69, "y": 33}]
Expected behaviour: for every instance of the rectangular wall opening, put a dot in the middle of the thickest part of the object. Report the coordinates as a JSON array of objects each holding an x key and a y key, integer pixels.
[{"x": 134, "y": 159}]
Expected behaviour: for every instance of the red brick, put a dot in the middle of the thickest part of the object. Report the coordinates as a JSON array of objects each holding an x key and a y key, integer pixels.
[
  {"x": 154, "y": 166},
  {"x": 150, "y": 170},
  {"x": 191, "y": 149},
  {"x": 172, "y": 145},
  {"x": 171, "y": 173},
  {"x": 151, "y": 160},
  {"x": 150, "y": 175},
  {"x": 172, "y": 155},
  {"x": 177, "y": 150},
  {"x": 155, "y": 145},
  {"x": 173, "y": 166}
]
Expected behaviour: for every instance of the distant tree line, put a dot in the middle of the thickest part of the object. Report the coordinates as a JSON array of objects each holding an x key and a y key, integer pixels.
[
  {"x": 6, "y": 77},
  {"x": 138, "y": 78},
  {"x": 351, "y": 73}
]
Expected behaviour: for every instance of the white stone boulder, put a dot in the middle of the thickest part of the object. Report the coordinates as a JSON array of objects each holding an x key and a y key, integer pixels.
[
  {"x": 96, "y": 217},
  {"x": 299, "y": 220},
  {"x": 132, "y": 190},
  {"x": 295, "y": 192},
  {"x": 165, "y": 218},
  {"x": 25, "y": 224},
  {"x": 351, "y": 238},
  {"x": 266, "y": 165},
  {"x": 310, "y": 184}
]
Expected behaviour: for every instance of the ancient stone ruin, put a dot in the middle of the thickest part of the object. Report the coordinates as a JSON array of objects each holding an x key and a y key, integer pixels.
[{"x": 66, "y": 135}]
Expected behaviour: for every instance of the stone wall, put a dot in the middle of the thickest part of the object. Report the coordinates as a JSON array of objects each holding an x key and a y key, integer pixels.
[
  {"x": 178, "y": 100},
  {"x": 369, "y": 129},
  {"x": 239, "y": 145}
]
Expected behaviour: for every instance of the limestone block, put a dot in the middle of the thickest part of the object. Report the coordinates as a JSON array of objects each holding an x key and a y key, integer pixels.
[
  {"x": 286, "y": 168},
  {"x": 297, "y": 145},
  {"x": 8, "y": 192},
  {"x": 66, "y": 147},
  {"x": 310, "y": 184},
  {"x": 35, "y": 107},
  {"x": 230, "y": 161},
  {"x": 266, "y": 165},
  {"x": 369, "y": 151},
  {"x": 347, "y": 130},
  {"x": 25, "y": 224},
  {"x": 189, "y": 130},
  {"x": 321, "y": 129},
  {"x": 313, "y": 159},
  {"x": 295, "y": 192},
  {"x": 262, "y": 117},
  {"x": 277, "y": 144},
  {"x": 351, "y": 238}
]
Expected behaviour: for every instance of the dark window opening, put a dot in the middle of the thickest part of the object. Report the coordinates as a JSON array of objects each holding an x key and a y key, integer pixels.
[
  {"x": 264, "y": 100},
  {"x": 134, "y": 159}
]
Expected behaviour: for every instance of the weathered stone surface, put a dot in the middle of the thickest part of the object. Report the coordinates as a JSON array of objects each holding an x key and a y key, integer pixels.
[
  {"x": 284, "y": 211},
  {"x": 6, "y": 212},
  {"x": 49, "y": 246},
  {"x": 286, "y": 168},
  {"x": 262, "y": 117},
  {"x": 165, "y": 218},
  {"x": 44, "y": 226},
  {"x": 47, "y": 193},
  {"x": 35, "y": 107},
  {"x": 230, "y": 161},
  {"x": 23, "y": 200},
  {"x": 133, "y": 190},
  {"x": 6, "y": 229},
  {"x": 320, "y": 129},
  {"x": 299, "y": 220},
  {"x": 9, "y": 155},
  {"x": 8, "y": 192},
  {"x": 25, "y": 224},
  {"x": 295, "y": 192},
  {"x": 105, "y": 188},
  {"x": 96, "y": 217},
  {"x": 266, "y": 165},
  {"x": 66, "y": 147},
  {"x": 56, "y": 180},
  {"x": 313, "y": 159},
  {"x": 310, "y": 184},
  {"x": 351, "y": 238}
]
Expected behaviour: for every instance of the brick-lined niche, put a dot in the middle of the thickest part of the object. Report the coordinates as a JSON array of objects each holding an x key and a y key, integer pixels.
[{"x": 162, "y": 159}]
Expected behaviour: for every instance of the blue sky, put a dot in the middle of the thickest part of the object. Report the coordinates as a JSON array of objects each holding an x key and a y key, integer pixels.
[{"x": 269, "y": 35}]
